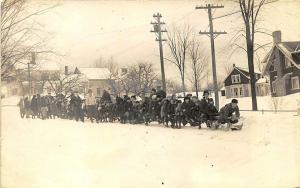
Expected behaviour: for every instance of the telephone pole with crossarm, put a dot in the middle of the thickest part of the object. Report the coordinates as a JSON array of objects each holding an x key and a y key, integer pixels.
[
  {"x": 212, "y": 34},
  {"x": 157, "y": 29}
]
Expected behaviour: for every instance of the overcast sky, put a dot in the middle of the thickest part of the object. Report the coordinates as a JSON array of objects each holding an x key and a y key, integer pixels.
[{"x": 87, "y": 30}]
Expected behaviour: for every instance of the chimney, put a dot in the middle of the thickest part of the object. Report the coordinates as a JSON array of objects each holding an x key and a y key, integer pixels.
[
  {"x": 66, "y": 70},
  {"x": 233, "y": 65},
  {"x": 276, "y": 36}
]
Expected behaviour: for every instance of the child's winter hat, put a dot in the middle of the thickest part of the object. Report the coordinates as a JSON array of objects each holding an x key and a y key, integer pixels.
[
  {"x": 234, "y": 101},
  {"x": 205, "y": 92}
]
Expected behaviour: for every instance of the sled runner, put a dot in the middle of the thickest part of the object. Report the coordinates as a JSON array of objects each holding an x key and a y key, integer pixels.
[{"x": 237, "y": 126}]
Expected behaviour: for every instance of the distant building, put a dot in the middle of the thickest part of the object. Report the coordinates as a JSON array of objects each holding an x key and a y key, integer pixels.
[
  {"x": 237, "y": 83},
  {"x": 39, "y": 74},
  {"x": 98, "y": 79},
  {"x": 283, "y": 66}
]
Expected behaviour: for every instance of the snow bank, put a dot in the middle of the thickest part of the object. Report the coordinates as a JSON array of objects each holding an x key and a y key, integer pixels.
[
  {"x": 289, "y": 102},
  {"x": 63, "y": 153}
]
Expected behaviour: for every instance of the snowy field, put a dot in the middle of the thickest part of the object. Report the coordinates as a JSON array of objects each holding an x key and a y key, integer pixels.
[{"x": 67, "y": 154}]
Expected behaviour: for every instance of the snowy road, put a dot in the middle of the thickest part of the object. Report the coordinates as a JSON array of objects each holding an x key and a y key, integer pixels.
[{"x": 63, "y": 153}]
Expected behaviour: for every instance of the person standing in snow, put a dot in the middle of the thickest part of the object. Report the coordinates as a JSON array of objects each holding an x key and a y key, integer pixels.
[
  {"x": 38, "y": 102},
  {"x": 48, "y": 100},
  {"x": 90, "y": 105},
  {"x": 34, "y": 107},
  {"x": 204, "y": 106},
  {"x": 44, "y": 108},
  {"x": 27, "y": 107},
  {"x": 164, "y": 112},
  {"x": 230, "y": 113},
  {"x": 179, "y": 115},
  {"x": 77, "y": 107},
  {"x": 21, "y": 105},
  {"x": 146, "y": 110},
  {"x": 106, "y": 96},
  {"x": 171, "y": 111}
]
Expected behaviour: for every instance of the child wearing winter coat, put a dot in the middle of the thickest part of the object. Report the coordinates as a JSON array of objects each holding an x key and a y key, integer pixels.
[
  {"x": 179, "y": 115},
  {"x": 229, "y": 114}
]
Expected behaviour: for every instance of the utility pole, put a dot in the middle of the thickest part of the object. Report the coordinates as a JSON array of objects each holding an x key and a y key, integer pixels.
[
  {"x": 157, "y": 29},
  {"x": 29, "y": 76},
  {"x": 213, "y": 35}
]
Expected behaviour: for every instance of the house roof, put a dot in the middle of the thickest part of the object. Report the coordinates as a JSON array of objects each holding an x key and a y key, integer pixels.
[
  {"x": 247, "y": 70},
  {"x": 291, "y": 50},
  {"x": 95, "y": 73},
  {"x": 243, "y": 71}
]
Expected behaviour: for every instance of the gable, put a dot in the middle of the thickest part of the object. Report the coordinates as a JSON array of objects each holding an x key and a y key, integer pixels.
[
  {"x": 243, "y": 77},
  {"x": 287, "y": 50}
]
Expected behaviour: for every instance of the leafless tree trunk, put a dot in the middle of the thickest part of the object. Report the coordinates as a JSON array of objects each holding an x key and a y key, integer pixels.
[
  {"x": 178, "y": 43},
  {"x": 198, "y": 64},
  {"x": 250, "y": 10},
  {"x": 20, "y": 35}
]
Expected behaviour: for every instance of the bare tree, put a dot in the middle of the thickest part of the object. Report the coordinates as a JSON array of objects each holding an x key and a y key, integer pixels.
[
  {"x": 198, "y": 64},
  {"x": 139, "y": 79},
  {"x": 20, "y": 35},
  {"x": 250, "y": 10},
  {"x": 61, "y": 83},
  {"x": 178, "y": 43}
]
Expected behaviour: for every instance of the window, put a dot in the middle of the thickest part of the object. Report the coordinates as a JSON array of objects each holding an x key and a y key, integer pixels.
[
  {"x": 236, "y": 78},
  {"x": 287, "y": 63},
  {"x": 235, "y": 92},
  {"x": 295, "y": 82},
  {"x": 241, "y": 91}
]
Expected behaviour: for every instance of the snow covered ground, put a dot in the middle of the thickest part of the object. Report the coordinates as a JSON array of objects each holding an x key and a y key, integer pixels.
[
  {"x": 289, "y": 102},
  {"x": 63, "y": 153}
]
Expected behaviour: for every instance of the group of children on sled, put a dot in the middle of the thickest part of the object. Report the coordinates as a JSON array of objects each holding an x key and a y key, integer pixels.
[{"x": 169, "y": 111}]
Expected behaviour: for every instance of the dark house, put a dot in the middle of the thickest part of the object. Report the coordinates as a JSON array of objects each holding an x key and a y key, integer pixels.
[
  {"x": 237, "y": 83},
  {"x": 283, "y": 66}
]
